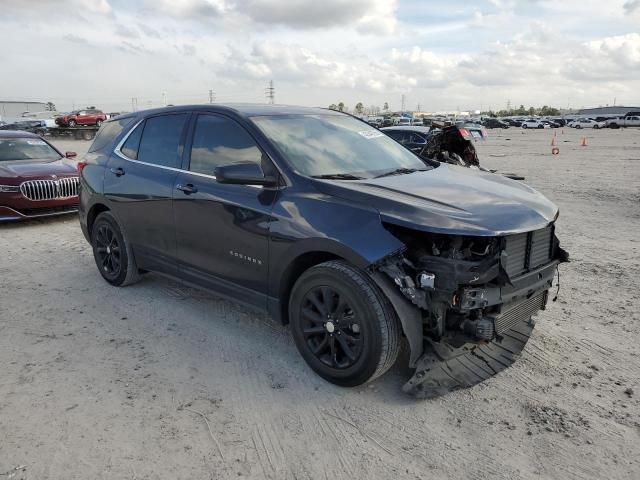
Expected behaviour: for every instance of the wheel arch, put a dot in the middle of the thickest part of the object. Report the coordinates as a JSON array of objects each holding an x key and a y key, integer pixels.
[{"x": 94, "y": 211}]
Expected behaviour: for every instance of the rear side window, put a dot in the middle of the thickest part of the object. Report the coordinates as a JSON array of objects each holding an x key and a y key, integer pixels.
[
  {"x": 220, "y": 141},
  {"x": 130, "y": 147},
  {"x": 108, "y": 133},
  {"x": 160, "y": 140}
]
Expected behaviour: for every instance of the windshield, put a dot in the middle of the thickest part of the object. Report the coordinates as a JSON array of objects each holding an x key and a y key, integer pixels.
[
  {"x": 26, "y": 149},
  {"x": 323, "y": 145}
]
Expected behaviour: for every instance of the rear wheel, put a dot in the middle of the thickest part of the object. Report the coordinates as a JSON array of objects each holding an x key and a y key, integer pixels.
[
  {"x": 112, "y": 252},
  {"x": 343, "y": 325},
  {"x": 73, "y": 123},
  {"x": 98, "y": 123}
]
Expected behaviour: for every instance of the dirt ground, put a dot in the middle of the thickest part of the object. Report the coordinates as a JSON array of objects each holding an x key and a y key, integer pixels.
[{"x": 159, "y": 381}]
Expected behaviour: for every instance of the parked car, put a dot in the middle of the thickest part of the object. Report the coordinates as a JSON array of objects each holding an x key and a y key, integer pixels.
[
  {"x": 560, "y": 121},
  {"x": 551, "y": 123},
  {"x": 494, "y": 123},
  {"x": 626, "y": 121},
  {"x": 332, "y": 227},
  {"x": 81, "y": 117},
  {"x": 402, "y": 121},
  {"x": 417, "y": 121},
  {"x": 534, "y": 123},
  {"x": 39, "y": 127},
  {"x": 477, "y": 131},
  {"x": 586, "y": 123},
  {"x": 513, "y": 123},
  {"x": 36, "y": 179}
]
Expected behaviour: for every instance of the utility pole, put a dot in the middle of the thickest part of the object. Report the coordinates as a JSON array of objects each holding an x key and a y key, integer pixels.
[
  {"x": 402, "y": 103},
  {"x": 270, "y": 92},
  {"x": 134, "y": 104},
  {"x": 212, "y": 96},
  {"x": 164, "y": 99},
  {"x": 418, "y": 109}
]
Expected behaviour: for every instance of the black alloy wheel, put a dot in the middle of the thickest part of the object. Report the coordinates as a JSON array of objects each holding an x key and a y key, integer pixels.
[
  {"x": 331, "y": 328},
  {"x": 344, "y": 326},
  {"x": 111, "y": 251},
  {"x": 108, "y": 251}
]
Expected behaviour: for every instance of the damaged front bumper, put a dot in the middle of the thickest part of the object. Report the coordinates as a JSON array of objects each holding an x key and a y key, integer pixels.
[{"x": 467, "y": 319}]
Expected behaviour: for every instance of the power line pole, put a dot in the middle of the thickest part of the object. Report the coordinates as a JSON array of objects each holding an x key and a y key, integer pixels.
[
  {"x": 212, "y": 96},
  {"x": 270, "y": 92},
  {"x": 134, "y": 104},
  {"x": 402, "y": 103},
  {"x": 164, "y": 99}
]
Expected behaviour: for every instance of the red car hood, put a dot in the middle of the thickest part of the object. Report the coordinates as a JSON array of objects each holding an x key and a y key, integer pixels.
[{"x": 12, "y": 173}]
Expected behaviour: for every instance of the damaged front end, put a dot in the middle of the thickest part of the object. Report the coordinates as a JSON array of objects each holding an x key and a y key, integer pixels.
[{"x": 466, "y": 303}]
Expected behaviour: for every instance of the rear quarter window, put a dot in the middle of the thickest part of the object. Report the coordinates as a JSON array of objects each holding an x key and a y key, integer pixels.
[{"x": 109, "y": 131}]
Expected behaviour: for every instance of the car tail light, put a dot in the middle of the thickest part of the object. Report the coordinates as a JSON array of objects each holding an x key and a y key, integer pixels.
[
  {"x": 464, "y": 132},
  {"x": 81, "y": 166}
]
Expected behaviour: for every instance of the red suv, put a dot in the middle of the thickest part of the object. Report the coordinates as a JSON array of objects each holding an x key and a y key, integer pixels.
[{"x": 89, "y": 116}]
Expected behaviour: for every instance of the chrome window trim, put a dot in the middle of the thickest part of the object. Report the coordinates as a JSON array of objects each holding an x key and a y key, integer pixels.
[{"x": 119, "y": 153}]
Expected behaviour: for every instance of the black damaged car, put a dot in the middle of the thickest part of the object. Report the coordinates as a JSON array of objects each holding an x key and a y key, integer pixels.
[{"x": 330, "y": 226}]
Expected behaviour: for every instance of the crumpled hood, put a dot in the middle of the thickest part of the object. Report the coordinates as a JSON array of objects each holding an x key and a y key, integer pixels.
[
  {"x": 450, "y": 199},
  {"x": 26, "y": 170}
]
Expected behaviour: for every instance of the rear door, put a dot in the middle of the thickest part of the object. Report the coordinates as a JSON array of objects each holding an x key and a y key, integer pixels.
[
  {"x": 139, "y": 182},
  {"x": 81, "y": 117},
  {"x": 222, "y": 230}
]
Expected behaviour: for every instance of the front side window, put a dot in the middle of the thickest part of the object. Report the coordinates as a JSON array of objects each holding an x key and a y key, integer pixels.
[
  {"x": 160, "y": 140},
  {"x": 220, "y": 141},
  {"x": 318, "y": 145}
]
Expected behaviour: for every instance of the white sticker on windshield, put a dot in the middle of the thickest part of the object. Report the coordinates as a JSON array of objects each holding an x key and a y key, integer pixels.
[
  {"x": 36, "y": 142},
  {"x": 371, "y": 134}
]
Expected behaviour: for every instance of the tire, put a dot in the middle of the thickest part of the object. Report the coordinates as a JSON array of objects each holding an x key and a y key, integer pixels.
[
  {"x": 315, "y": 315},
  {"x": 524, "y": 126},
  {"x": 73, "y": 123},
  {"x": 578, "y": 126},
  {"x": 88, "y": 135},
  {"x": 540, "y": 126},
  {"x": 98, "y": 123},
  {"x": 126, "y": 271}
]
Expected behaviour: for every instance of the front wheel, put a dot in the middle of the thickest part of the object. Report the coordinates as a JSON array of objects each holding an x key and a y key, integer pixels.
[
  {"x": 112, "y": 253},
  {"x": 343, "y": 325},
  {"x": 98, "y": 123},
  {"x": 73, "y": 123},
  {"x": 524, "y": 126},
  {"x": 596, "y": 127}
]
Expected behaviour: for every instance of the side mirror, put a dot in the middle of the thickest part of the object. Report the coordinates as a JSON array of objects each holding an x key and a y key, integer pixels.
[
  {"x": 70, "y": 154},
  {"x": 244, "y": 173}
]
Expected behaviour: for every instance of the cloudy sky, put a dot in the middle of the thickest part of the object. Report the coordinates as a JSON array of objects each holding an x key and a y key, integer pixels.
[{"x": 440, "y": 54}]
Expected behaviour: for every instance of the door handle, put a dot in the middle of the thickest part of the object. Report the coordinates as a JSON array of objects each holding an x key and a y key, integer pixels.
[
  {"x": 187, "y": 189},
  {"x": 118, "y": 172}
]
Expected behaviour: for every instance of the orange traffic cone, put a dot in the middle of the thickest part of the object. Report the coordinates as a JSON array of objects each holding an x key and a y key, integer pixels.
[
  {"x": 584, "y": 141},
  {"x": 553, "y": 141},
  {"x": 555, "y": 151}
]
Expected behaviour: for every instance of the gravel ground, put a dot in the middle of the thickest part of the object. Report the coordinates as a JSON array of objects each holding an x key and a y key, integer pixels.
[{"x": 161, "y": 381}]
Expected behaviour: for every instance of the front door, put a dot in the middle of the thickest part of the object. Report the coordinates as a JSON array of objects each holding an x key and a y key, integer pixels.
[
  {"x": 222, "y": 230},
  {"x": 139, "y": 182}
]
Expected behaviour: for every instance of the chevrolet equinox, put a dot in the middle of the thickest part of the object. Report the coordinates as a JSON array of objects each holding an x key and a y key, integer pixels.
[{"x": 330, "y": 226}]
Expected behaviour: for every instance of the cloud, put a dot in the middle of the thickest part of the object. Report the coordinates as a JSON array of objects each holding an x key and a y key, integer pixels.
[
  {"x": 126, "y": 32},
  {"x": 631, "y": 6}
]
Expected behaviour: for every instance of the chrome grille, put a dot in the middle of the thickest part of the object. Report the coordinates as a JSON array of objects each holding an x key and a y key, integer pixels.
[
  {"x": 37, "y": 190},
  {"x": 526, "y": 251}
]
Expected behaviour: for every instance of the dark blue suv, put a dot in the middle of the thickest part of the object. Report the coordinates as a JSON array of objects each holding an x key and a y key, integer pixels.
[{"x": 330, "y": 226}]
